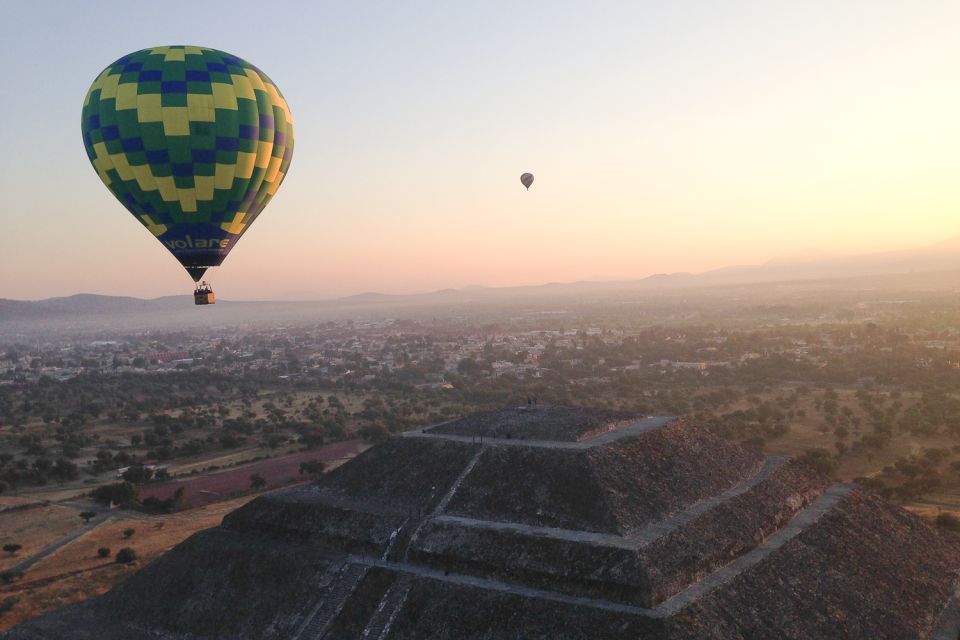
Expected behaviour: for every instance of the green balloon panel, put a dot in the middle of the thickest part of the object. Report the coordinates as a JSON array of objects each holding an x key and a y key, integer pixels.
[{"x": 193, "y": 141}]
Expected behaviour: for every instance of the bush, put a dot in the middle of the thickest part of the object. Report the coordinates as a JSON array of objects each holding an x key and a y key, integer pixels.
[
  {"x": 12, "y": 548},
  {"x": 257, "y": 482},
  {"x": 126, "y": 555},
  {"x": 103, "y": 552},
  {"x": 128, "y": 533},
  {"x": 87, "y": 516},
  {"x": 156, "y": 505}
]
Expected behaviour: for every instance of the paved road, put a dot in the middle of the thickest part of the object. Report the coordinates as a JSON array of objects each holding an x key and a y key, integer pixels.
[
  {"x": 627, "y": 431},
  {"x": 635, "y": 540},
  {"x": 25, "y": 564}
]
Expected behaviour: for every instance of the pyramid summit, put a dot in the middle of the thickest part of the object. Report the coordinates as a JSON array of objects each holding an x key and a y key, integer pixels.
[{"x": 546, "y": 522}]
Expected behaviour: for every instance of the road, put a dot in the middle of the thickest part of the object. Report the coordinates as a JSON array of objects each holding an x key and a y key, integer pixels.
[{"x": 26, "y": 563}]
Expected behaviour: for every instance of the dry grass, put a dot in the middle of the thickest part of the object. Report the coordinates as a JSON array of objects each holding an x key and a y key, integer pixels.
[
  {"x": 75, "y": 572},
  {"x": 34, "y": 529}
]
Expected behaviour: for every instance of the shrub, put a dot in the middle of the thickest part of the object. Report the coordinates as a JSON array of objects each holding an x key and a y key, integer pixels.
[
  {"x": 103, "y": 552},
  {"x": 87, "y": 516},
  {"x": 12, "y": 548},
  {"x": 156, "y": 505},
  {"x": 126, "y": 555},
  {"x": 128, "y": 533}
]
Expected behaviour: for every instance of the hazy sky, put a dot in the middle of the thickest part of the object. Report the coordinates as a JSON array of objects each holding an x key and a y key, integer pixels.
[{"x": 664, "y": 136}]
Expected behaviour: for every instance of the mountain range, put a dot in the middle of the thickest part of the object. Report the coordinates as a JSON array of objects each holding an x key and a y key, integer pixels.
[{"x": 934, "y": 262}]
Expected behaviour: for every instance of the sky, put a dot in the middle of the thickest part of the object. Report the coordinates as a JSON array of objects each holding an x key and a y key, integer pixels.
[{"x": 664, "y": 136}]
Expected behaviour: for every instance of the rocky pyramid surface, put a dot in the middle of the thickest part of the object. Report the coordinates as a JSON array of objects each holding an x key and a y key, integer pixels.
[{"x": 546, "y": 522}]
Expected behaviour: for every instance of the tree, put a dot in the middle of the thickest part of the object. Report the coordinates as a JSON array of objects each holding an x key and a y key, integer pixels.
[
  {"x": 374, "y": 433},
  {"x": 257, "y": 482},
  {"x": 821, "y": 460},
  {"x": 312, "y": 468},
  {"x": 12, "y": 548},
  {"x": 103, "y": 552},
  {"x": 87, "y": 516},
  {"x": 138, "y": 474},
  {"x": 126, "y": 555},
  {"x": 117, "y": 493},
  {"x": 128, "y": 533}
]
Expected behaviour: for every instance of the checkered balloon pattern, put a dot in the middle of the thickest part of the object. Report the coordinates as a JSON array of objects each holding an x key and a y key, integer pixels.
[{"x": 194, "y": 142}]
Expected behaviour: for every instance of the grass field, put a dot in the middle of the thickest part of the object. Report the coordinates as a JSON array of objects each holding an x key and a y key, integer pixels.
[
  {"x": 34, "y": 529},
  {"x": 277, "y": 472},
  {"x": 76, "y": 572}
]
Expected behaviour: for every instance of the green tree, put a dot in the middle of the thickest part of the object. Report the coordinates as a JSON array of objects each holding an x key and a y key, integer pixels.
[
  {"x": 120, "y": 493},
  {"x": 126, "y": 555},
  {"x": 312, "y": 468}
]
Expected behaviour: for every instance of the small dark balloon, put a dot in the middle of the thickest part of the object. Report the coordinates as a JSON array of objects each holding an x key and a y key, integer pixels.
[{"x": 526, "y": 180}]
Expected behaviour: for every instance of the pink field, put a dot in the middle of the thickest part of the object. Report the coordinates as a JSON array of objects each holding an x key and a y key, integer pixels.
[{"x": 205, "y": 489}]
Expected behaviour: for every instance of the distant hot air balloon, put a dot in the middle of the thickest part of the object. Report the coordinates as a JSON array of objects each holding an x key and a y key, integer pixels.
[
  {"x": 193, "y": 142},
  {"x": 526, "y": 180}
]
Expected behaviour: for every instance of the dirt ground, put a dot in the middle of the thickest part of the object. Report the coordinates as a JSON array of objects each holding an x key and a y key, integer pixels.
[
  {"x": 76, "y": 572},
  {"x": 34, "y": 529}
]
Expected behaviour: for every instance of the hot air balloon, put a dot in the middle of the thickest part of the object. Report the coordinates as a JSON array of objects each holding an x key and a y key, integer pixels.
[
  {"x": 526, "y": 180},
  {"x": 194, "y": 142}
]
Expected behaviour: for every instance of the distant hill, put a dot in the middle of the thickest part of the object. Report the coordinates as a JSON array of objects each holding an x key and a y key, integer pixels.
[
  {"x": 815, "y": 264},
  {"x": 934, "y": 267},
  {"x": 87, "y": 303}
]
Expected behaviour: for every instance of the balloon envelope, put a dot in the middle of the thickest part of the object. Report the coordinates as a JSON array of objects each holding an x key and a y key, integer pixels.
[
  {"x": 194, "y": 142},
  {"x": 526, "y": 180}
]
